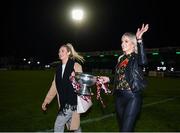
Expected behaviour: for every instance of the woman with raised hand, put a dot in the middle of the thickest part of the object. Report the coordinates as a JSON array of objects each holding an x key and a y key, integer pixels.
[{"x": 129, "y": 81}]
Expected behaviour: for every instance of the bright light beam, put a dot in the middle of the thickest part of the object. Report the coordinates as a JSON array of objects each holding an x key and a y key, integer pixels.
[{"x": 77, "y": 14}]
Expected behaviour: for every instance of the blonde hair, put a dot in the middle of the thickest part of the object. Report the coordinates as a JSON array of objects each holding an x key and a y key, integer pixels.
[
  {"x": 133, "y": 39},
  {"x": 73, "y": 54}
]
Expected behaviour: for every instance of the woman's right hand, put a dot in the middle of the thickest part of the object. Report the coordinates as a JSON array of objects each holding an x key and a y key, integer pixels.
[
  {"x": 44, "y": 106},
  {"x": 141, "y": 31}
]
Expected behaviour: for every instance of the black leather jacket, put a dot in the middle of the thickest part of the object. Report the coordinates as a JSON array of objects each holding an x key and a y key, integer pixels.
[{"x": 133, "y": 73}]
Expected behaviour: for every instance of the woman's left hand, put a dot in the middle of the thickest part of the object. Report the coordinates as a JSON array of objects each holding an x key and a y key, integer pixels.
[
  {"x": 104, "y": 79},
  {"x": 140, "y": 31}
]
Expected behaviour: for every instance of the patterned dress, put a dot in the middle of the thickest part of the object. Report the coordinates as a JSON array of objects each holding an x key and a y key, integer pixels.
[{"x": 120, "y": 80}]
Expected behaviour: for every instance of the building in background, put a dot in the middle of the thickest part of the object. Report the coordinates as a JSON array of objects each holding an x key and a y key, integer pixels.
[{"x": 160, "y": 60}]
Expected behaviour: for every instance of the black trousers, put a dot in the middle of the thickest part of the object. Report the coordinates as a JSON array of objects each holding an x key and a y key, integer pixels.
[{"x": 128, "y": 106}]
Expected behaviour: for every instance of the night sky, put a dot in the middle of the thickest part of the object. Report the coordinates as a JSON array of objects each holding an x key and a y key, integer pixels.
[{"x": 37, "y": 28}]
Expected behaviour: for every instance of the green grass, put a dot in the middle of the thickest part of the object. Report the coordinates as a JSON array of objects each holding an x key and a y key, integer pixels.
[{"x": 22, "y": 93}]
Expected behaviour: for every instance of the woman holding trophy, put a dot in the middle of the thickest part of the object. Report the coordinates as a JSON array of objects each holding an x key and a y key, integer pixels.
[{"x": 63, "y": 89}]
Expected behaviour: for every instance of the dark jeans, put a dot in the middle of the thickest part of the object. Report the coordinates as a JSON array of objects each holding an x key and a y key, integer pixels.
[{"x": 128, "y": 106}]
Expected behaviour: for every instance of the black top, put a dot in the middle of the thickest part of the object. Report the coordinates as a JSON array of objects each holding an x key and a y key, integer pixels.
[{"x": 133, "y": 71}]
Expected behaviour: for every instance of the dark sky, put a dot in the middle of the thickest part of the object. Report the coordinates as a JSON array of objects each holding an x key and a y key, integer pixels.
[{"x": 38, "y": 27}]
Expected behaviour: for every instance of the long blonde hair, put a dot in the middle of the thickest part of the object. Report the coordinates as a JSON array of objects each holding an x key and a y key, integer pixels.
[{"x": 73, "y": 54}]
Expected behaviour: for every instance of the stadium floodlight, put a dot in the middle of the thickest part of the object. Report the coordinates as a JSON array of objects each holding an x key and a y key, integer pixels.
[{"x": 77, "y": 14}]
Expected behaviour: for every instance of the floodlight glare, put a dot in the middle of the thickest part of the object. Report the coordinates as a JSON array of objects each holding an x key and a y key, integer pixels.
[{"x": 77, "y": 14}]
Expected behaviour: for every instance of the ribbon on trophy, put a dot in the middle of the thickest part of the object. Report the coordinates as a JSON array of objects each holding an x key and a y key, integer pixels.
[
  {"x": 100, "y": 86},
  {"x": 77, "y": 87},
  {"x": 83, "y": 101},
  {"x": 75, "y": 84}
]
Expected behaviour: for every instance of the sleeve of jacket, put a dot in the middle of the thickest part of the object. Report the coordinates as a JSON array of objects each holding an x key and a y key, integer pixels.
[
  {"x": 142, "y": 58},
  {"x": 51, "y": 93}
]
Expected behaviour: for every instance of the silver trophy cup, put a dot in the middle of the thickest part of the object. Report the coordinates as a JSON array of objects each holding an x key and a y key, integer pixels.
[{"x": 85, "y": 80}]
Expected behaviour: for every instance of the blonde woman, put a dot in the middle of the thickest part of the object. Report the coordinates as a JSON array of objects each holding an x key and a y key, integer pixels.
[
  {"x": 129, "y": 80},
  {"x": 63, "y": 89}
]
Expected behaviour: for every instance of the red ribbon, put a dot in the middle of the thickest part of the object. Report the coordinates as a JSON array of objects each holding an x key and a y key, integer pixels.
[
  {"x": 77, "y": 86},
  {"x": 99, "y": 86}
]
